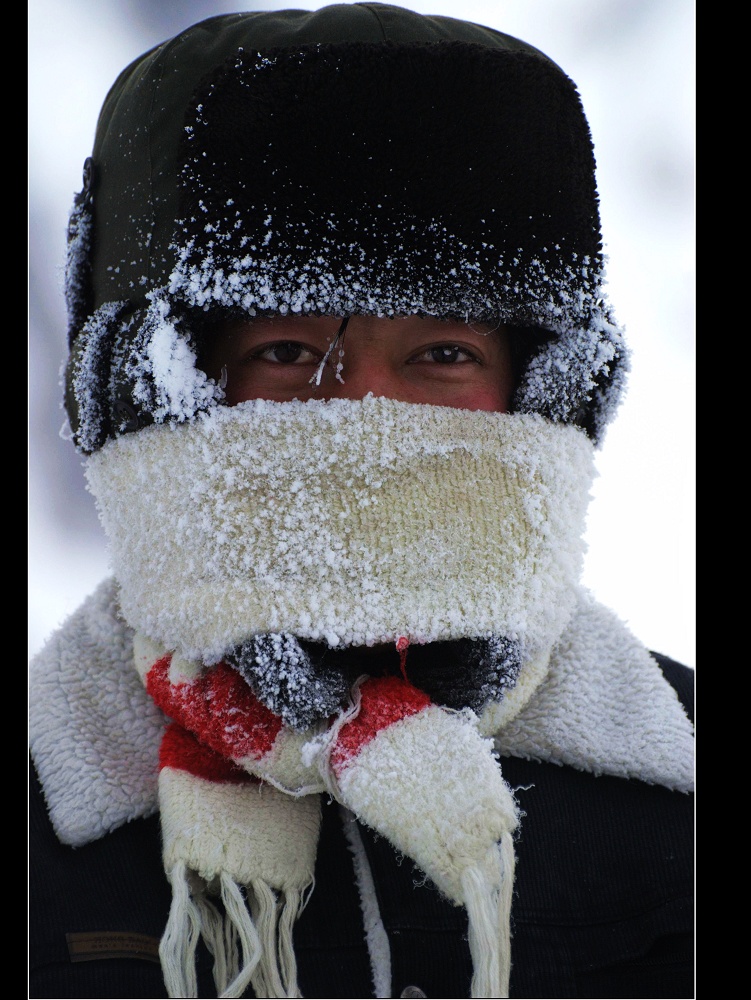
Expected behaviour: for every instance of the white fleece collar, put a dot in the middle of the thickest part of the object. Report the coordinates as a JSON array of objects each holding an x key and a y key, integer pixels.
[{"x": 604, "y": 707}]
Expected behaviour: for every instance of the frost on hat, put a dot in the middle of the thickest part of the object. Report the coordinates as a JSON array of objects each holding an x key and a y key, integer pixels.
[{"x": 335, "y": 162}]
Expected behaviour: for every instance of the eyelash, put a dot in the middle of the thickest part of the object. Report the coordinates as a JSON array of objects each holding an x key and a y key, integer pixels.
[
  {"x": 258, "y": 354},
  {"x": 470, "y": 355}
]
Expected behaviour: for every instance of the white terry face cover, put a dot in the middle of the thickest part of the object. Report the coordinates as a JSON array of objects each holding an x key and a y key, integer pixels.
[{"x": 350, "y": 522}]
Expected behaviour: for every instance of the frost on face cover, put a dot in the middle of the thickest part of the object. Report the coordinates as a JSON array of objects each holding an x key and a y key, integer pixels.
[{"x": 332, "y": 521}]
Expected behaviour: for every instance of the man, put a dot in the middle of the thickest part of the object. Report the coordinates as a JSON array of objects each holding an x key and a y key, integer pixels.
[{"x": 344, "y": 722}]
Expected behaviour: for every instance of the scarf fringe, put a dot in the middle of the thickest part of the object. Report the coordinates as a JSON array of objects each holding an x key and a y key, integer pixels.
[
  {"x": 250, "y": 943},
  {"x": 274, "y": 916},
  {"x": 177, "y": 949},
  {"x": 240, "y": 934},
  {"x": 488, "y": 904}
]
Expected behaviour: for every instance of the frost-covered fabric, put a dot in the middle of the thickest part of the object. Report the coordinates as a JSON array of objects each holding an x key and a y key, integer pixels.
[
  {"x": 296, "y": 686},
  {"x": 132, "y": 368},
  {"x": 351, "y": 522}
]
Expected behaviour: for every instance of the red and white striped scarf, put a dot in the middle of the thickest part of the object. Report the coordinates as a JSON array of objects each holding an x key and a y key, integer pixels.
[{"x": 239, "y": 795}]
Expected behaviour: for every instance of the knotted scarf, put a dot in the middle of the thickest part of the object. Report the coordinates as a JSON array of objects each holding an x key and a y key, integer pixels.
[{"x": 240, "y": 817}]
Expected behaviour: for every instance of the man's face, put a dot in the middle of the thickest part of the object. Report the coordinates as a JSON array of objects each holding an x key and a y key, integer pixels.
[{"x": 409, "y": 358}]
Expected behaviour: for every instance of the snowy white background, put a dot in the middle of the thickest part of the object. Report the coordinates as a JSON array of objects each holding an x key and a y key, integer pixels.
[{"x": 633, "y": 61}]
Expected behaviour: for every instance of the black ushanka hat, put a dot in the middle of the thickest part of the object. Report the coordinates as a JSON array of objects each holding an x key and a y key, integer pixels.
[{"x": 359, "y": 159}]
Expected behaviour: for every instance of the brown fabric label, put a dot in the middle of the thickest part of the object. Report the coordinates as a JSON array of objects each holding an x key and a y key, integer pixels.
[{"x": 89, "y": 945}]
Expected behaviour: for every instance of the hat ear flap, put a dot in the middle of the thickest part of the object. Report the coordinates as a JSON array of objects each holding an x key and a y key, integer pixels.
[{"x": 79, "y": 294}]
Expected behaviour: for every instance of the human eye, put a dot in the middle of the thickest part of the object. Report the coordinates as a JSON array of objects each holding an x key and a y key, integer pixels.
[
  {"x": 285, "y": 352},
  {"x": 444, "y": 354}
]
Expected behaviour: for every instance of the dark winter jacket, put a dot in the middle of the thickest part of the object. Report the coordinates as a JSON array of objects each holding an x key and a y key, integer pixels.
[{"x": 603, "y": 901}]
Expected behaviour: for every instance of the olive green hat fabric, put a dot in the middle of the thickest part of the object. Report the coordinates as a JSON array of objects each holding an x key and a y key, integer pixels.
[{"x": 142, "y": 123}]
